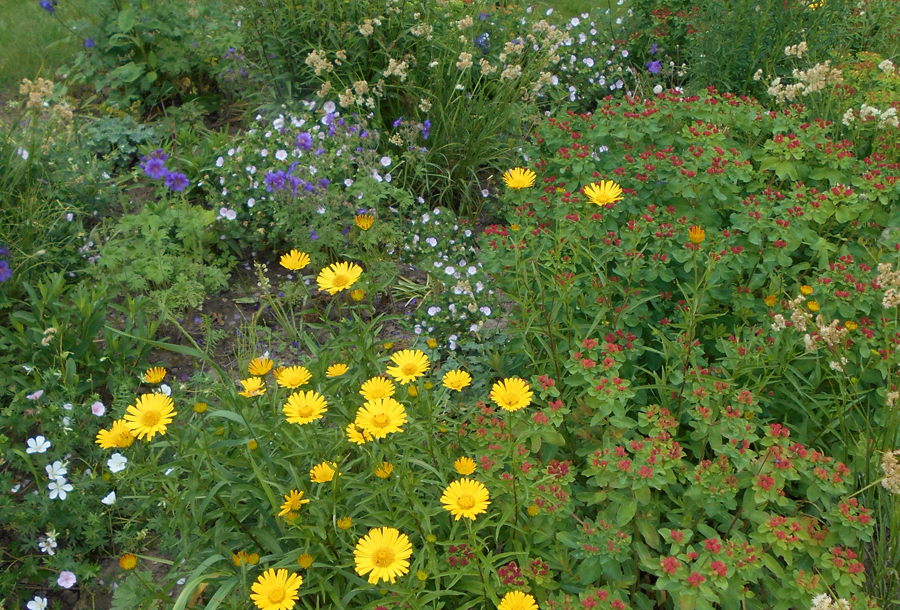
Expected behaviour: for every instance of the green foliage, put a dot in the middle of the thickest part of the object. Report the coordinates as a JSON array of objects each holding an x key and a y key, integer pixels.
[
  {"x": 117, "y": 140},
  {"x": 171, "y": 250}
]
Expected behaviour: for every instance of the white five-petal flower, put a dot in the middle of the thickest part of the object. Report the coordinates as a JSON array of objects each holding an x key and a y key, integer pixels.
[
  {"x": 117, "y": 462},
  {"x": 38, "y": 444},
  {"x": 59, "y": 488}
]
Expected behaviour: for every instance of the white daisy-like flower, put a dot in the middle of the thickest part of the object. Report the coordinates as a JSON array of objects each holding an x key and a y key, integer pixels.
[
  {"x": 55, "y": 470},
  {"x": 434, "y": 310},
  {"x": 278, "y": 123},
  {"x": 431, "y": 241},
  {"x": 38, "y": 603},
  {"x": 59, "y": 488},
  {"x": 109, "y": 499},
  {"x": 38, "y": 444},
  {"x": 281, "y": 155},
  {"x": 485, "y": 310},
  {"x": 385, "y": 161},
  {"x": 48, "y": 545},
  {"x": 117, "y": 462},
  {"x": 449, "y": 270}
]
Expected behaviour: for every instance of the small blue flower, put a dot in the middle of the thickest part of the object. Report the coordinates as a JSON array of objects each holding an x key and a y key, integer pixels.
[
  {"x": 89, "y": 43},
  {"x": 312, "y": 234},
  {"x": 304, "y": 140},
  {"x": 48, "y": 5},
  {"x": 176, "y": 181},
  {"x": 654, "y": 66},
  {"x": 5, "y": 271},
  {"x": 398, "y": 121},
  {"x": 653, "y": 49}
]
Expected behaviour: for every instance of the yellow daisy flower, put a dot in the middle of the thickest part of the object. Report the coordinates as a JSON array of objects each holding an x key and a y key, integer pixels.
[
  {"x": 304, "y": 407},
  {"x": 377, "y": 387},
  {"x": 336, "y": 370},
  {"x": 516, "y": 600},
  {"x": 295, "y": 260},
  {"x": 259, "y": 366},
  {"x": 410, "y": 364},
  {"x": 276, "y": 590},
  {"x": 466, "y": 498},
  {"x": 511, "y": 394},
  {"x": 383, "y": 554},
  {"x": 385, "y": 470},
  {"x": 364, "y": 221},
  {"x": 323, "y": 473},
  {"x": 155, "y": 375},
  {"x": 305, "y": 560},
  {"x": 770, "y": 300},
  {"x": 200, "y": 407},
  {"x": 345, "y": 523},
  {"x": 293, "y": 377},
  {"x": 696, "y": 234},
  {"x": 338, "y": 276},
  {"x": 457, "y": 380},
  {"x": 117, "y": 437},
  {"x": 292, "y": 502},
  {"x": 381, "y": 416},
  {"x": 127, "y": 561},
  {"x": 150, "y": 415},
  {"x": 252, "y": 387},
  {"x": 464, "y": 466},
  {"x": 358, "y": 295},
  {"x": 606, "y": 192},
  {"x": 806, "y": 289},
  {"x": 357, "y": 434},
  {"x": 519, "y": 178}
]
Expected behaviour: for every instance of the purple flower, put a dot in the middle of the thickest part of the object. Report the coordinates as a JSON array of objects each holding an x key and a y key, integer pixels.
[
  {"x": 275, "y": 181},
  {"x": 4, "y": 251},
  {"x": 653, "y": 49},
  {"x": 312, "y": 234},
  {"x": 364, "y": 134},
  {"x": 320, "y": 151},
  {"x": 89, "y": 43},
  {"x": 398, "y": 121},
  {"x": 483, "y": 16},
  {"x": 654, "y": 66},
  {"x": 47, "y": 5},
  {"x": 176, "y": 181},
  {"x": 155, "y": 168},
  {"x": 345, "y": 230},
  {"x": 324, "y": 182},
  {"x": 5, "y": 271},
  {"x": 304, "y": 140},
  {"x": 425, "y": 127}
]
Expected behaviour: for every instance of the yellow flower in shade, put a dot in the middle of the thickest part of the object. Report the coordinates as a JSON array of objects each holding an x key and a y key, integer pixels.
[
  {"x": 292, "y": 502},
  {"x": 356, "y": 434},
  {"x": 200, "y": 407},
  {"x": 806, "y": 290},
  {"x": 696, "y": 234},
  {"x": 323, "y": 473},
  {"x": 511, "y": 394},
  {"x": 851, "y": 325},
  {"x": 457, "y": 380},
  {"x": 259, "y": 366},
  {"x": 276, "y": 590},
  {"x": 345, "y": 523},
  {"x": 516, "y": 600},
  {"x": 243, "y": 558},
  {"x": 383, "y": 554},
  {"x": 464, "y": 466},
  {"x": 155, "y": 375},
  {"x": 253, "y": 386},
  {"x": 388, "y": 345},
  {"x": 533, "y": 510},
  {"x": 150, "y": 415},
  {"x": 813, "y": 306},
  {"x": 305, "y": 560},
  {"x": 519, "y": 178},
  {"x": 410, "y": 364},
  {"x": 358, "y": 295},
  {"x": 127, "y": 561},
  {"x": 381, "y": 416},
  {"x": 771, "y": 300},
  {"x": 606, "y": 192},
  {"x": 364, "y": 221},
  {"x": 304, "y": 407},
  {"x": 253, "y": 445},
  {"x": 385, "y": 470},
  {"x": 466, "y": 498},
  {"x": 422, "y": 575},
  {"x": 338, "y": 276},
  {"x": 118, "y": 436},
  {"x": 432, "y": 343},
  {"x": 336, "y": 370},
  {"x": 413, "y": 391},
  {"x": 293, "y": 377},
  {"x": 377, "y": 387},
  {"x": 295, "y": 260}
]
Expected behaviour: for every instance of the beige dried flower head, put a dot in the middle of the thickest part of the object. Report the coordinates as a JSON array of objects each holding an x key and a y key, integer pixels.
[
  {"x": 891, "y": 468},
  {"x": 346, "y": 98},
  {"x": 511, "y": 73},
  {"x": 465, "y": 61},
  {"x": 486, "y": 68},
  {"x": 424, "y": 105},
  {"x": 887, "y": 66},
  {"x": 366, "y": 29},
  {"x": 361, "y": 87},
  {"x": 465, "y": 23}
]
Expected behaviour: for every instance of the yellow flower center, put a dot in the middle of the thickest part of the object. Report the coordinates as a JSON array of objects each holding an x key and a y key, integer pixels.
[
  {"x": 410, "y": 369},
  {"x": 151, "y": 418},
  {"x": 381, "y": 420},
  {"x": 383, "y": 557},
  {"x": 465, "y": 502},
  {"x": 340, "y": 280},
  {"x": 276, "y": 596},
  {"x": 305, "y": 411},
  {"x": 511, "y": 399}
]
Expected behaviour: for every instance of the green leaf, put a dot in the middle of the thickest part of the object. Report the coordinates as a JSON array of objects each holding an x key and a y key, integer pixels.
[
  {"x": 626, "y": 512},
  {"x": 127, "y": 20}
]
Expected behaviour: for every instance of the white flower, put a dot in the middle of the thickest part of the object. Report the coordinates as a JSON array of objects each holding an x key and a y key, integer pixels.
[
  {"x": 449, "y": 270},
  {"x": 485, "y": 310},
  {"x": 348, "y": 182},
  {"x": 658, "y": 89},
  {"x": 251, "y": 202},
  {"x": 385, "y": 161},
  {"x": 38, "y": 444},
  {"x": 589, "y": 62},
  {"x": 575, "y": 21},
  {"x": 117, "y": 462},
  {"x": 55, "y": 470},
  {"x": 22, "y": 153},
  {"x": 66, "y": 579},
  {"x": 431, "y": 241},
  {"x": 48, "y": 545},
  {"x": 278, "y": 123},
  {"x": 549, "y": 11},
  {"x": 38, "y": 603},
  {"x": 264, "y": 152},
  {"x": 164, "y": 388},
  {"x": 281, "y": 155},
  {"x": 70, "y": 217},
  {"x": 328, "y": 107},
  {"x": 35, "y": 395},
  {"x": 98, "y": 408},
  {"x": 433, "y": 310},
  {"x": 66, "y": 422},
  {"x": 109, "y": 499},
  {"x": 220, "y": 161},
  {"x": 67, "y": 406},
  {"x": 624, "y": 52},
  {"x": 59, "y": 488},
  {"x": 230, "y": 152}
]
